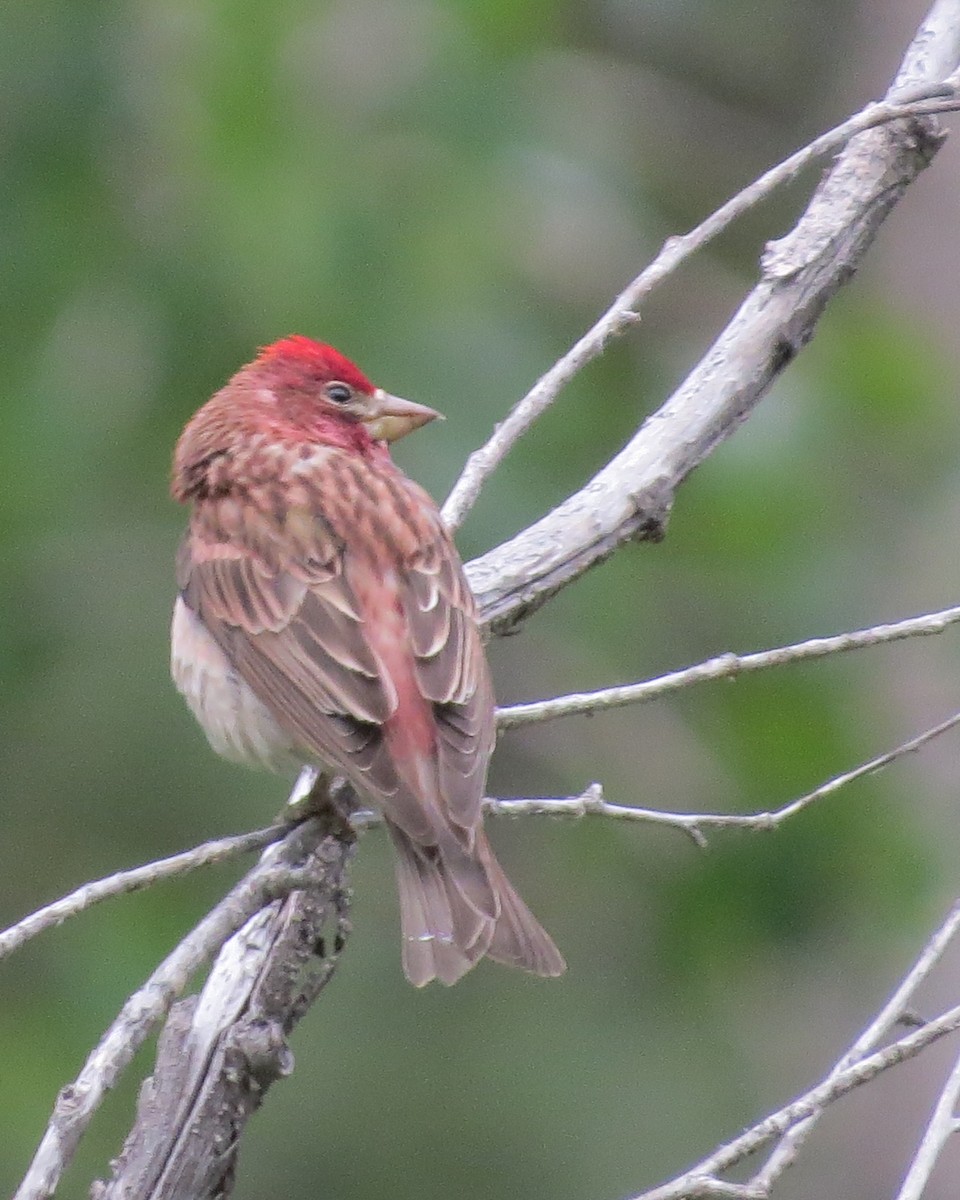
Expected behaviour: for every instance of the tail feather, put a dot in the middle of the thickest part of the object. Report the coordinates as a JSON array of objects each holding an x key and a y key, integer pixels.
[
  {"x": 519, "y": 940},
  {"x": 455, "y": 908},
  {"x": 443, "y": 933}
]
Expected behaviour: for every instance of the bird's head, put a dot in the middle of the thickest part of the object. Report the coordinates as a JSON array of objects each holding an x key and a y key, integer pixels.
[
  {"x": 296, "y": 393},
  {"x": 315, "y": 384}
]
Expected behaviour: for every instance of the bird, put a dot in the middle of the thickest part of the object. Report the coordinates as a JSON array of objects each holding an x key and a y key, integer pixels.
[{"x": 324, "y": 617}]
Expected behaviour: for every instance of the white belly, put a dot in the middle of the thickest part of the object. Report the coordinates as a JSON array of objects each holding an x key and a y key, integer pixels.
[{"x": 237, "y": 725}]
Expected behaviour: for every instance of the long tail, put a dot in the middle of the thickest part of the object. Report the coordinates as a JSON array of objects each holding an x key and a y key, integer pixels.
[{"x": 455, "y": 908}]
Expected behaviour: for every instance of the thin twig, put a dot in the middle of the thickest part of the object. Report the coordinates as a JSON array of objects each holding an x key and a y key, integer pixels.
[
  {"x": 701, "y": 1180},
  {"x": 134, "y": 879},
  {"x": 943, "y": 1123},
  {"x": 723, "y": 666},
  {"x": 591, "y": 802},
  {"x": 925, "y": 100},
  {"x": 787, "y": 1150}
]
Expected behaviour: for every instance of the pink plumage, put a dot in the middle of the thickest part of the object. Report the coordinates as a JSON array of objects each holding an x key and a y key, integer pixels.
[{"x": 324, "y": 617}]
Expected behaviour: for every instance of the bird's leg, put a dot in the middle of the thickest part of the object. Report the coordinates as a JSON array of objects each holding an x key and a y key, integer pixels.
[{"x": 324, "y": 795}]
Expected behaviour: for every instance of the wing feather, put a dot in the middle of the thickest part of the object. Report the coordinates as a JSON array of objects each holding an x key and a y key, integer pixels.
[
  {"x": 453, "y": 674},
  {"x": 283, "y": 605}
]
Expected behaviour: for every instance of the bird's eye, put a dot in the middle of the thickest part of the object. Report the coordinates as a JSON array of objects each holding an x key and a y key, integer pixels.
[{"x": 339, "y": 393}]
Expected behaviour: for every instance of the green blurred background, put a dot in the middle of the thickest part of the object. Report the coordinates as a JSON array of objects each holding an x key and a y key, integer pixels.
[{"x": 450, "y": 191}]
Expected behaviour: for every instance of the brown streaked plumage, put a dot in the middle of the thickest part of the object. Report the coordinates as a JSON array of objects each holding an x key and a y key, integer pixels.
[{"x": 324, "y": 617}]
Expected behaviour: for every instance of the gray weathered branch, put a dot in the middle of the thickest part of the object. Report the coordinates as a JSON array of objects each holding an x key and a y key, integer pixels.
[
  {"x": 296, "y": 864},
  {"x": 221, "y": 1051},
  {"x": 631, "y": 497}
]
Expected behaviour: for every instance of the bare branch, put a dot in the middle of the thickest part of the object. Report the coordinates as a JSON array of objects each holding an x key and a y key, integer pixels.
[
  {"x": 701, "y": 1180},
  {"x": 796, "y": 1130},
  {"x": 868, "y": 768},
  {"x": 892, "y": 1012},
  {"x": 592, "y": 803},
  {"x": 219, "y": 1053},
  {"x": 723, "y": 666},
  {"x": 631, "y": 497},
  {"x": 926, "y": 99},
  {"x": 133, "y": 880},
  {"x": 77, "y": 1103},
  {"x": 943, "y": 1123}
]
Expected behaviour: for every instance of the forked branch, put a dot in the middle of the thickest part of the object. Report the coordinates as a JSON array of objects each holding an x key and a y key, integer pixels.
[{"x": 796, "y": 1122}]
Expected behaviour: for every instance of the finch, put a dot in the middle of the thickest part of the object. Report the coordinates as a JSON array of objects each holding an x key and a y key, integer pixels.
[{"x": 324, "y": 617}]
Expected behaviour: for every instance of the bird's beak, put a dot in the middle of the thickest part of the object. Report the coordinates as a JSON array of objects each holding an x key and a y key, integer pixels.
[{"x": 391, "y": 418}]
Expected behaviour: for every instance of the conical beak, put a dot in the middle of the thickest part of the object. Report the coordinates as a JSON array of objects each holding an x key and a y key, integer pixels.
[{"x": 392, "y": 418}]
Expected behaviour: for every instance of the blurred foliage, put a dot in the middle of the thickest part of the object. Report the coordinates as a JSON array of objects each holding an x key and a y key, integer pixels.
[{"x": 450, "y": 191}]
